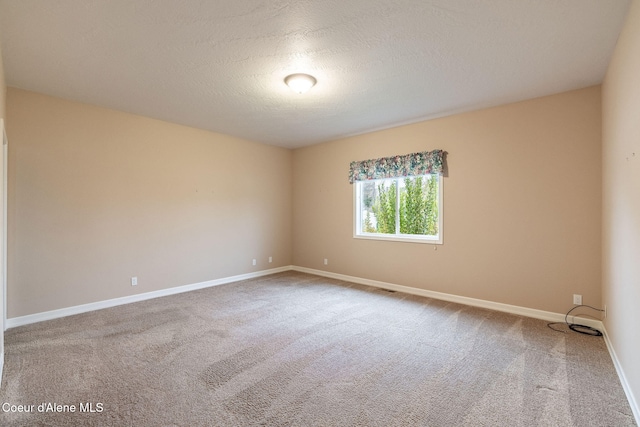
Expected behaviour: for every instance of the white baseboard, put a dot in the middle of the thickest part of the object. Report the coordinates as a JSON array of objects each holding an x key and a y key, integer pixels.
[
  {"x": 635, "y": 408},
  {"x": 68, "y": 311},
  {"x": 513, "y": 309}
]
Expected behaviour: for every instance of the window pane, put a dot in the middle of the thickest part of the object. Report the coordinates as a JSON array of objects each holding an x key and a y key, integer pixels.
[
  {"x": 419, "y": 205},
  {"x": 378, "y": 210},
  {"x": 403, "y": 209}
]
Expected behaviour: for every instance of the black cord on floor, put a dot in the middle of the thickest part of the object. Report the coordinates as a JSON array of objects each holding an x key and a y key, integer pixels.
[
  {"x": 576, "y": 327},
  {"x": 549, "y": 325}
]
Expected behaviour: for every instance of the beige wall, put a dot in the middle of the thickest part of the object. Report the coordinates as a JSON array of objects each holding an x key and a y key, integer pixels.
[
  {"x": 522, "y": 204},
  {"x": 98, "y": 196},
  {"x": 3, "y": 89},
  {"x": 3, "y": 99},
  {"x": 621, "y": 199}
]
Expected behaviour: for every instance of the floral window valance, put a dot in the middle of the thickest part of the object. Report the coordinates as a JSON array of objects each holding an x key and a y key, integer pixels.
[{"x": 424, "y": 163}]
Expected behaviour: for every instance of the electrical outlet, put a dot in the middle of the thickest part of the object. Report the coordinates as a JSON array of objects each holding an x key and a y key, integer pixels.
[
  {"x": 255, "y": 262},
  {"x": 326, "y": 261},
  {"x": 270, "y": 259},
  {"x": 577, "y": 299},
  {"x": 134, "y": 281}
]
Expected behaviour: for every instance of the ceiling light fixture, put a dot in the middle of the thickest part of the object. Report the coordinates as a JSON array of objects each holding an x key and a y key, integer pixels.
[{"x": 300, "y": 82}]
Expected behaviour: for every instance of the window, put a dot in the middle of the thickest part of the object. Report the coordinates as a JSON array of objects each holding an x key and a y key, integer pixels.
[
  {"x": 407, "y": 208},
  {"x": 399, "y": 197}
]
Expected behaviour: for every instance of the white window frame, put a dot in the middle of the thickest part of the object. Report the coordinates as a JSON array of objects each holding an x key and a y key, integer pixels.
[{"x": 413, "y": 238}]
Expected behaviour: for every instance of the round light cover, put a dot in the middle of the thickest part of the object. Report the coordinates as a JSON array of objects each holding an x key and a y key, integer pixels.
[{"x": 300, "y": 82}]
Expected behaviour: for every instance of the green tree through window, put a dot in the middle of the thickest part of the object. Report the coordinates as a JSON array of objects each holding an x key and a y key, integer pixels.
[{"x": 400, "y": 206}]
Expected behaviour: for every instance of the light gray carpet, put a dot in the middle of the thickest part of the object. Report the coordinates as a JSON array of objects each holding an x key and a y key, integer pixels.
[{"x": 298, "y": 350}]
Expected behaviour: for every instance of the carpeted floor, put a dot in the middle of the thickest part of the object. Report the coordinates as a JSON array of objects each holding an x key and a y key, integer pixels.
[{"x": 293, "y": 349}]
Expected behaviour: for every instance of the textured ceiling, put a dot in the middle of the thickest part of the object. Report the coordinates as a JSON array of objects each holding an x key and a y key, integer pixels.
[{"x": 220, "y": 65}]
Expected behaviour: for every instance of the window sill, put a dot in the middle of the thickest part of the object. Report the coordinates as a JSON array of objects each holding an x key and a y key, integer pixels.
[{"x": 395, "y": 238}]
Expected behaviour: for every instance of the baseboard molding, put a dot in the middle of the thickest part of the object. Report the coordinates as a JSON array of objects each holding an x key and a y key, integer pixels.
[
  {"x": 84, "y": 308},
  {"x": 78, "y": 309},
  {"x": 635, "y": 408},
  {"x": 1, "y": 366},
  {"x": 513, "y": 309}
]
